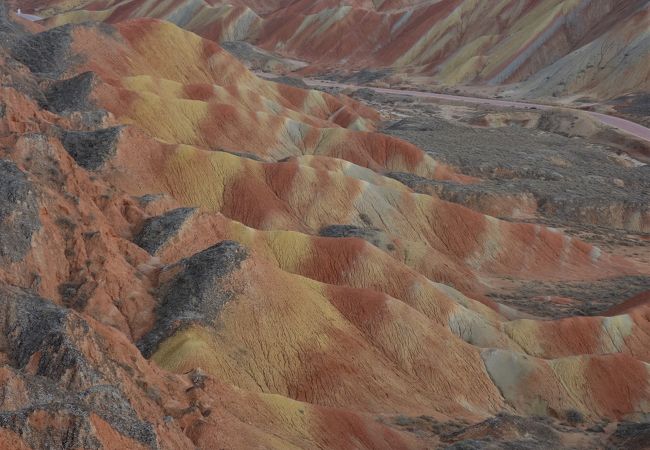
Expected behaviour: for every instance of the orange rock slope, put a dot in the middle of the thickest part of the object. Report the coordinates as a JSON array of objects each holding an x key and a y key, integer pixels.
[{"x": 193, "y": 257}]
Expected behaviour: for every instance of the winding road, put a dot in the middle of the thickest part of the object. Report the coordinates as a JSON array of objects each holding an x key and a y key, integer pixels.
[{"x": 624, "y": 125}]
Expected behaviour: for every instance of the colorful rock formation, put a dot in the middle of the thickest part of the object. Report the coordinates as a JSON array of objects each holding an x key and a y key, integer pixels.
[
  {"x": 559, "y": 47},
  {"x": 191, "y": 256}
]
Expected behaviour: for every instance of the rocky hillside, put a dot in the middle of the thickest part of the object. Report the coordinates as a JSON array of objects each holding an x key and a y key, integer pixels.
[
  {"x": 559, "y": 47},
  {"x": 193, "y": 257}
]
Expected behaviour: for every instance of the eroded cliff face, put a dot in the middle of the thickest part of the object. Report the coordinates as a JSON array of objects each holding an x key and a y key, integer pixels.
[{"x": 192, "y": 257}]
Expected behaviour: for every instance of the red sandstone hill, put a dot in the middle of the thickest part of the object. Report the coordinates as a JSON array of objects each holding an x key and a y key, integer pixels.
[{"x": 191, "y": 256}]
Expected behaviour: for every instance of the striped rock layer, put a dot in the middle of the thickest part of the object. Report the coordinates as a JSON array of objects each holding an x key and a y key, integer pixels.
[
  {"x": 560, "y": 47},
  {"x": 206, "y": 259}
]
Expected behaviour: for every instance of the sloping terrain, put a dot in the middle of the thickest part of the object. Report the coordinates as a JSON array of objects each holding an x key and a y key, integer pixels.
[
  {"x": 191, "y": 256},
  {"x": 560, "y": 47}
]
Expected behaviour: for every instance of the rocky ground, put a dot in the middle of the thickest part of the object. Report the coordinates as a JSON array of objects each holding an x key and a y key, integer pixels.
[
  {"x": 566, "y": 299},
  {"x": 256, "y": 58},
  {"x": 635, "y": 107},
  {"x": 506, "y": 431}
]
